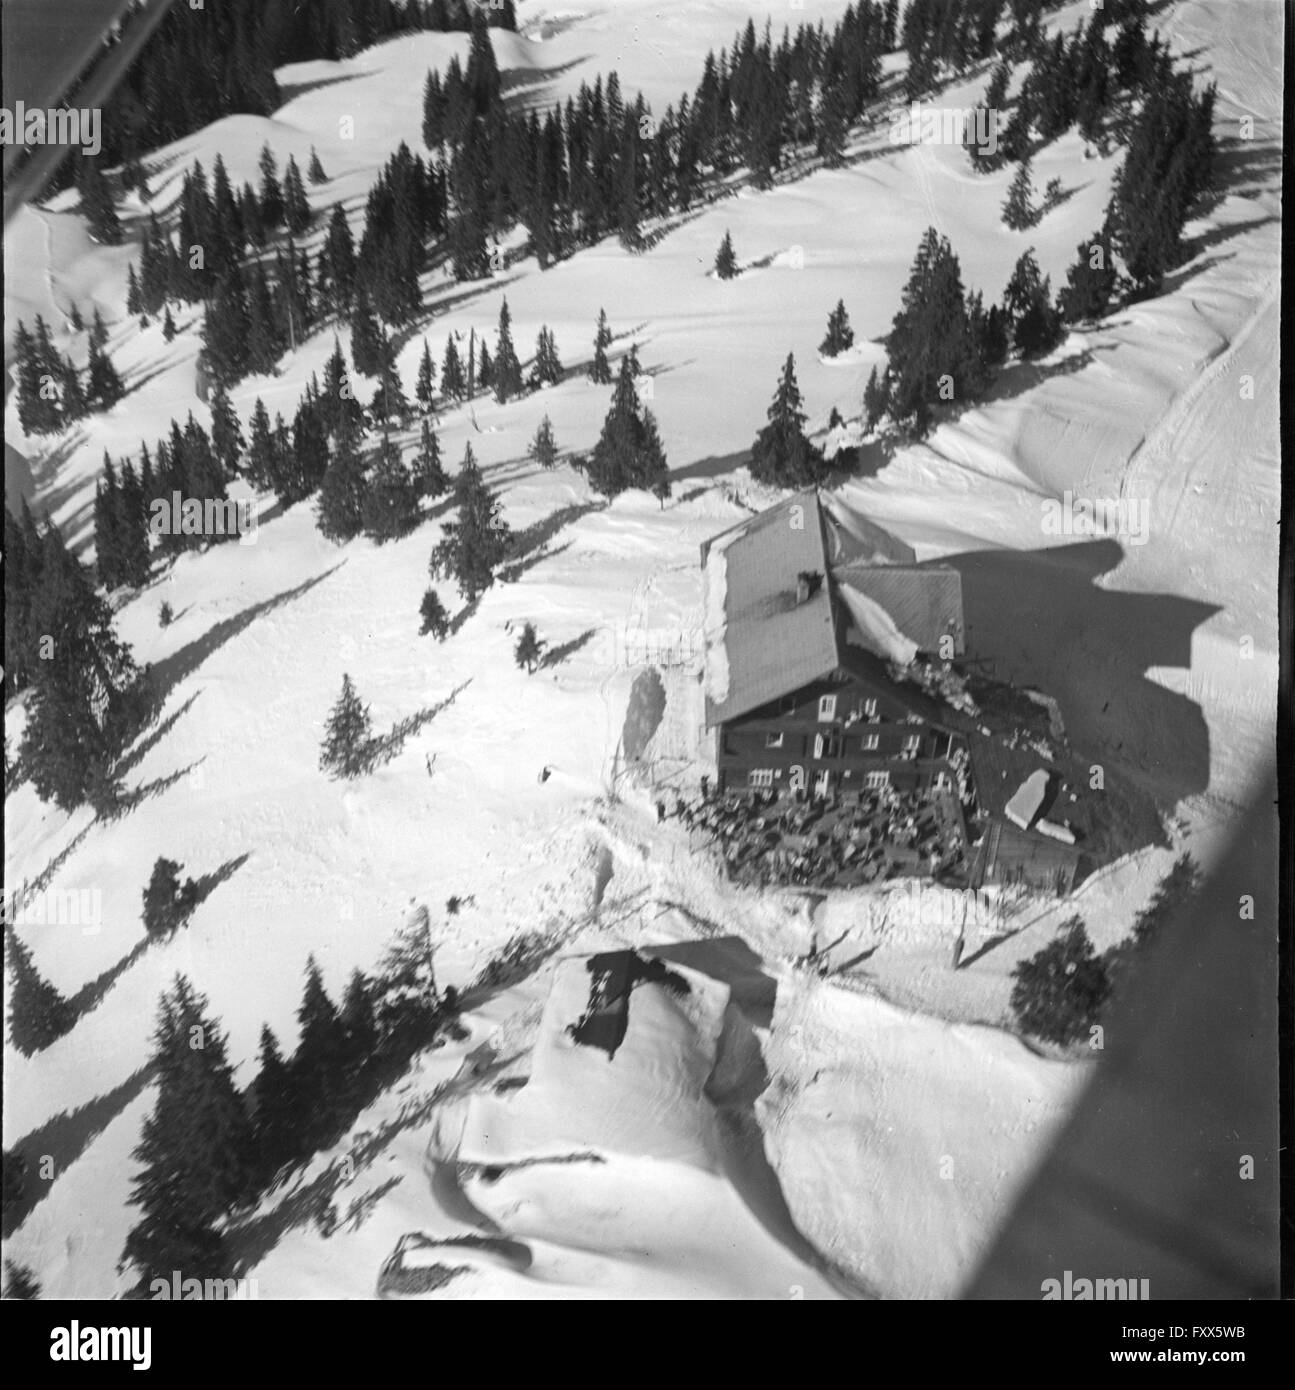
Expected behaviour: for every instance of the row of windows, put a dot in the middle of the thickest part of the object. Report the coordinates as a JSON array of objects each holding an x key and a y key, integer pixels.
[
  {"x": 829, "y": 746},
  {"x": 762, "y": 777}
]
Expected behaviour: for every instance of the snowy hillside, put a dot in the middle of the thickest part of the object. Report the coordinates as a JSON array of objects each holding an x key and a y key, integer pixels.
[{"x": 770, "y": 1133}]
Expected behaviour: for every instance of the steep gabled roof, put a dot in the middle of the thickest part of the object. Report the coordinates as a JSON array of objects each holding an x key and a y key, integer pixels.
[
  {"x": 761, "y": 642},
  {"x": 924, "y": 603}
]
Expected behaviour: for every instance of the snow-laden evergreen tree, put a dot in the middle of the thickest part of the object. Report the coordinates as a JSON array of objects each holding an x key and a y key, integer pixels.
[
  {"x": 347, "y": 749},
  {"x": 390, "y": 507},
  {"x": 628, "y": 453},
  {"x": 296, "y": 206},
  {"x": 38, "y": 1013},
  {"x": 430, "y": 478},
  {"x": 226, "y": 431},
  {"x": 425, "y": 386},
  {"x": 167, "y": 902},
  {"x": 433, "y": 617},
  {"x": 528, "y": 649},
  {"x": 104, "y": 387},
  {"x": 339, "y": 509},
  {"x": 315, "y": 170},
  {"x": 97, "y": 203},
  {"x": 544, "y": 447},
  {"x": 196, "y": 1148},
  {"x": 319, "y": 1063},
  {"x": 840, "y": 336},
  {"x": 600, "y": 371},
  {"x": 168, "y": 325},
  {"x": 1090, "y": 281},
  {"x": 477, "y": 541},
  {"x": 507, "y": 369},
  {"x": 279, "y": 1116},
  {"x": 874, "y": 401},
  {"x": 547, "y": 370},
  {"x": 725, "y": 259},
  {"x": 1018, "y": 208},
  {"x": 271, "y": 194},
  {"x": 368, "y": 347},
  {"x": 86, "y": 698},
  {"x": 781, "y": 454},
  {"x": 453, "y": 384},
  {"x": 1058, "y": 992}
]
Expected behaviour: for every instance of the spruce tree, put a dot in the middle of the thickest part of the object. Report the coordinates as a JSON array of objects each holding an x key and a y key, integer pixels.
[
  {"x": 452, "y": 382},
  {"x": 528, "y": 649},
  {"x": 1058, "y": 992},
  {"x": 544, "y": 447},
  {"x": 196, "y": 1148},
  {"x": 271, "y": 194},
  {"x": 38, "y": 1013},
  {"x": 429, "y": 474},
  {"x": 168, "y": 325},
  {"x": 296, "y": 206},
  {"x": 477, "y": 541},
  {"x": 390, "y": 506},
  {"x": 279, "y": 1116},
  {"x": 226, "y": 432},
  {"x": 86, "y": 698},
  {"x": 315, "y": 170},
  {"x": 434, "y": 618},
  {"x": 547, "y": 370},
  {"x": 368, "y": 347},
  {"x": 347, "y": 749},
  {"x": 781, "y": 454},
  {"x": 104, "y": 385},
  {"x": 97, "y": 203},
  {"x": 425, "y": 386},
  {"x": 1018, "y": 208},
  {"x": 167, "y": 902},
  {"x": 725, "y": 260},
  {"x": 507, "y": 369},
  {"x": 360, "y": 1038},
  {"x": 600, "y": 372},
  {"x": 840, "y": 335},
  {"x": 339, "y": 509},
  {"x": 1090, "y": 281},
  {"x": 628, "y": 453},
  {"x": 319, "y": 1061},
  {"x": 874, "y": 401}
]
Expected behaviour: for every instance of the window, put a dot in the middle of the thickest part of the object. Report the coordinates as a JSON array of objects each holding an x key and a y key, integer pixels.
[
  {"x": 827, "y": 706},
  {"x": 760, "y": 777},
  {"x": 876, "y": 780},
  {"x": 912, "y": 743},
  {"x": 871, "y": 742},
  {"x": 773, "y": 740},
  {"x": 870, "y": 708},
  {"x": 942, "y": 782}
]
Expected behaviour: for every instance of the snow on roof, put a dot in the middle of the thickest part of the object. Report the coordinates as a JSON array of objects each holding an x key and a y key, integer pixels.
[
  {"x": 875, "y": 629},
  {"x": 925, "y": 604},
  {"x": 1028, "y": 799},
  {"x": 773, "y": 639}
]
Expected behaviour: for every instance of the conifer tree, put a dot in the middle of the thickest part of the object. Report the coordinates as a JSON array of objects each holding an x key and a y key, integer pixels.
[
  {"x": 348, "y": 737},
  {"x": 425, "y": 386},
  {"x": 507, "y": 369},
  {"x": 38, "y": 1013},
  {"x": 360, "y": 1038},
  {"x": 628, "y": 453},
  {"x": 279, "y": 1117},
  {"x": 168, "y": 325},
  {"x": 104, "y": 385},
  {"x": 874, "y": 401},
  {"x": 1059, "y": 991},
  {"x": 840, "y": 335},
  {"x": 547, "y": 370},
  {"x": 134, "y": 303},
  {"x": 528, "y": 649},
  {"x": 262, "y": 465},
  {"x": 85, "y": 697},
  {"x": 97, "y": 203},
  {"x": 725, "y": 260},
  {"x": 477, "y": 541},
  {"x": 296, "y": 206},
  {"x": 315, "y": 170},
  {"x": 430, "y": 477},
  {"x": 452, "y": 382},
  {"x": 271, "y": 193},
  {"x": 339, "y": 509},
  {"x": 1090, "y": 281},
  {"x": 434, "y": 618},
  {"x": 390, "y": 506},
  {"x": 167, "y": 902},
  {"x": 196, "y": 1147},
  {"x": 1018, "y": 209},
  {"x": 485, "y": 372},
  {"x": 600, "y": 372},
  {"x": 781, "y": 454},
  {"x": 226, "y": 432},
  {"x": 319, "y": 1061},
  {"x": 368, "y": 348},
  {"x": 544, "y": 447}
]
